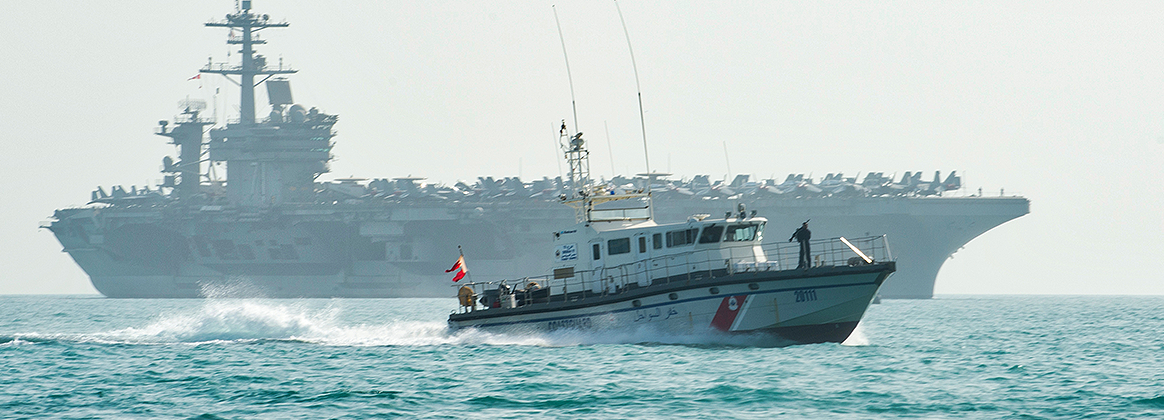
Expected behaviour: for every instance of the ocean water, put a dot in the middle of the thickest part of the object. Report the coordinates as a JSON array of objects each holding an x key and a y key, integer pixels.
[{"x": 989, "y": 357}]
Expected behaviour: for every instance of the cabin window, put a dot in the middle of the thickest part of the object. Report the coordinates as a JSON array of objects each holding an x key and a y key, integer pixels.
[
  {"x": 681, "y": 237},
  {"x": 642, "y": 244},
  {"x": 739, "y": 233},
  {"x": 597, "y": 252},
  {"x": 657, "y": 241},
  {"x": 618, "y": 246},
  {"x": 711, "y": 234}
]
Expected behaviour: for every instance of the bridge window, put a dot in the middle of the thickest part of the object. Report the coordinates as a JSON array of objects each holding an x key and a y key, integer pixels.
[
  {"x": 657, "y": 241},
  {"x": 681, "y": 237},
  {"x": 597, "y": 252},
  {"x": 642, "y": 244},
  {"x": 740, "y": 233},
  {"x": 711, "y": 234}
]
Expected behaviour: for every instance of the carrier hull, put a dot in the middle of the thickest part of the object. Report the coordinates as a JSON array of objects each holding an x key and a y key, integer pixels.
[{"x": 399, "y": 250}]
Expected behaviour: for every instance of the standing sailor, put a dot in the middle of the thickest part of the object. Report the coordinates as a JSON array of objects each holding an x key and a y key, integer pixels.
[{"x": 803, "y": 235}]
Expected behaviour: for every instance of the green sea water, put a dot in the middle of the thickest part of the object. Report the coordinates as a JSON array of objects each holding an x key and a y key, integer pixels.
[{"x": 1029, "y": 357}]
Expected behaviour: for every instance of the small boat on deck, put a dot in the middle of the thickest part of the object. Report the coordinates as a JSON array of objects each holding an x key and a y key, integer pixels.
[{"x": 617, "y": 269}]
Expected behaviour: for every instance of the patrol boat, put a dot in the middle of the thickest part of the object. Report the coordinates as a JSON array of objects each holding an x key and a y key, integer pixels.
[{"x": 617, "y": 268}]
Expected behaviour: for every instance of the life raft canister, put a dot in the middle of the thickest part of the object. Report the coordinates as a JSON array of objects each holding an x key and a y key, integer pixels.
[{"x": 466, "y": 296}]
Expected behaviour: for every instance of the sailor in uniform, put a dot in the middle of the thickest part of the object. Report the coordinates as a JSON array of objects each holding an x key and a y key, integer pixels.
[{"x": 803, "y": 235}]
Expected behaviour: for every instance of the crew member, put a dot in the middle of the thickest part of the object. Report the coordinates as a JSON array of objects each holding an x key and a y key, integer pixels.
[{"x": 803, "y": 235}]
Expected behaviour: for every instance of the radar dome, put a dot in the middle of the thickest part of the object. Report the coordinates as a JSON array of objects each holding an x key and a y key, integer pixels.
[{"x": 297, "y": 114}]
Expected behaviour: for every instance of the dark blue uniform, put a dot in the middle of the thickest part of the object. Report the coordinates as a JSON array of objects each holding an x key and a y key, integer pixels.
[{"x": 803, "y": 235}]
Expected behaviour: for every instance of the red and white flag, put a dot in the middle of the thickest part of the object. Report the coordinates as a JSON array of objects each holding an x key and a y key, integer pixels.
[
  {"x": 460, "y": 268},
  {"x": 196, "y": 77}
]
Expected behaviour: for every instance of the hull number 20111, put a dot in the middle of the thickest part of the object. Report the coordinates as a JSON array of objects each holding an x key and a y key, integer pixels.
[{"x": 805, "y": 295}]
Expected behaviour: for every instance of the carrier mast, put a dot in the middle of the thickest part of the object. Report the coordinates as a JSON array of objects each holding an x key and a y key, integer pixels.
[{"x": 252, "y": 65}]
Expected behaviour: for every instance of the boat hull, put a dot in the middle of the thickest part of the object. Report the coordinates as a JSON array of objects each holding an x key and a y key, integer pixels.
[{"x": 795, "y": 306}]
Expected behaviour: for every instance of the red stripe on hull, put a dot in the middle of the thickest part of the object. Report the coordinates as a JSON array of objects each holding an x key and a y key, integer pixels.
[{"x": 728, "y": 310}]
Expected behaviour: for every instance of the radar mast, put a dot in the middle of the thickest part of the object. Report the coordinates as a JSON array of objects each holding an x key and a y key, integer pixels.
[
  {"x": 584, "y": 195},
  {"x": 248, "y": 24}
]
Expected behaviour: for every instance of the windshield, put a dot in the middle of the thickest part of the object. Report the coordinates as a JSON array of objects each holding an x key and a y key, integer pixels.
[
  {"x": 711, "y": 234},
  {"x": 740, "y": 233}
]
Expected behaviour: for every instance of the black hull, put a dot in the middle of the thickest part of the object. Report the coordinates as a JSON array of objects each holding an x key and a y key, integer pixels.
[{"x": 836, "y": 332}]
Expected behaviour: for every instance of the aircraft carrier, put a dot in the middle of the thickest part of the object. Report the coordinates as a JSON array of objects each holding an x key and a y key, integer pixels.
[{"x": 268, "y": 228}]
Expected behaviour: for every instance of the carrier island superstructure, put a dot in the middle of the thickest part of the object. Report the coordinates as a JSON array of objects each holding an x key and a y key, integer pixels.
[{"x": 269, "y": 228}]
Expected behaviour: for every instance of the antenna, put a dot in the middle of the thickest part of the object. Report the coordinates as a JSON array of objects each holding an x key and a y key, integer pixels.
[
  {"x": 562, "y": 37},
  {"x": 726, "y": 160},
  {"x": 610, "y": 150},
  {"x": 552, "y": 128},
  {"x": 191, "y": 105},
  {"x": 642, "y": 120}
]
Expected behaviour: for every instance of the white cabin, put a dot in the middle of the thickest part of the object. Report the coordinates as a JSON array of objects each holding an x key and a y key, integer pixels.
[{"x": 636, "y": 249}]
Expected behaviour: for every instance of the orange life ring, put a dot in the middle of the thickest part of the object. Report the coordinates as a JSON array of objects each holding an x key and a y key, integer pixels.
[{"x": 466, "y": 296}]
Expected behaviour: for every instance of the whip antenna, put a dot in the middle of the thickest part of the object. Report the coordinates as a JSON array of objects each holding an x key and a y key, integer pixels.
[
  {"x": 568, "y": 76},
  {"x": 557, "y": 145},
  {"x": 642, "y": 120},
  {"x": 727, "y": 160},
  {"x": 610, "y": 150}
]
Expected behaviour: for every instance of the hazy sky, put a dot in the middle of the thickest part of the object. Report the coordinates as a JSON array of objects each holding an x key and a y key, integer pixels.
[{"x": 1057, "y": 101}]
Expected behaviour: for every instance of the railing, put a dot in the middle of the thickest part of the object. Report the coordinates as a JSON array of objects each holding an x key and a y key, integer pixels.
[{"x": 664, "y": 270}]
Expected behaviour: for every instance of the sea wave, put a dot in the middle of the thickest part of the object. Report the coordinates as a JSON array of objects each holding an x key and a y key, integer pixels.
[
  {"x": 25, "y": 339},
  {"x": 249, "y": 321},
  {"x": 375, "y": 358}
]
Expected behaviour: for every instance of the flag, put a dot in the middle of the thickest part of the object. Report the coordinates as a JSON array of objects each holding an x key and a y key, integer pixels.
[
  {"x": 197, "y": 76},
  {"x": 460, "y": 268}
]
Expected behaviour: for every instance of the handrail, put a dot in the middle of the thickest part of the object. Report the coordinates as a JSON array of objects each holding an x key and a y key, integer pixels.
[{"x": 688, "y": 266}]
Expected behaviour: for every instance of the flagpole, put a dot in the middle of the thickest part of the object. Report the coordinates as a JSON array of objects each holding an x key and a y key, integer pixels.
[{"x": 464, "y": 264}]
